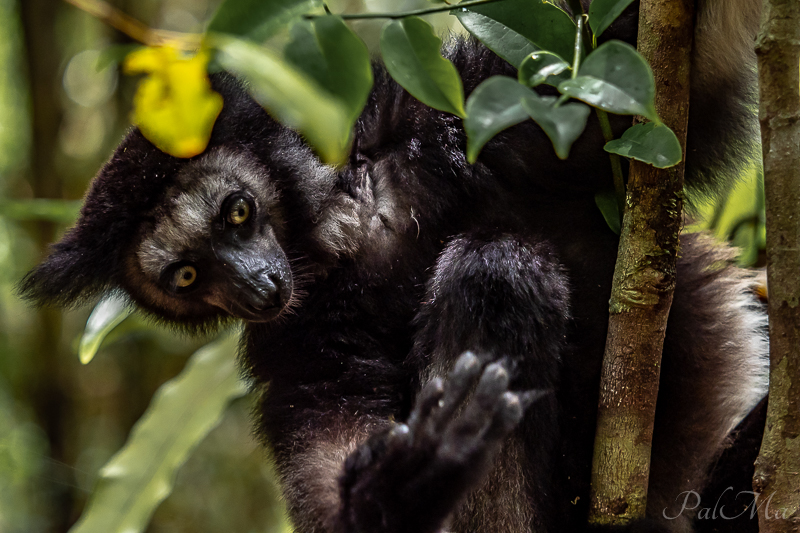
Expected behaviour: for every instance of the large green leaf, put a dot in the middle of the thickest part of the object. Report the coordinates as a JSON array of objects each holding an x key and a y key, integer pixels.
[
  {"x": 603, "y": 12},
  {"x": 330, "y": 53},
  {"x": 543, "y": 24},
  {"x": 109, "y": 312},
  {"x": 617, "y": 79},
  {"x": 493, "y": 106},
  {"x": 291, "y": 97},
  {"x": 497, "y": 37},
  {"x": 652, "y": 143},
  {"x": 412, "y": 54},
  {"x": 183, "y": 411},
  {"x": 63, "y": 211},
  {"x": 543, "y": 67},
  {"x": 257, "y": 19},
  {"x": 563, "y": 124}
]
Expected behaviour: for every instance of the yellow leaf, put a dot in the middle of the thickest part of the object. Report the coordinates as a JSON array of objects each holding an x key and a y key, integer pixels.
[{"x": 174, "y": 106}]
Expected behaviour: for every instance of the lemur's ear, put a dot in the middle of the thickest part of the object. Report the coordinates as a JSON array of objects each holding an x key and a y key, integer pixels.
[
  {"x": 72, "y": 274},
  {"x": 89, "y": 258}
]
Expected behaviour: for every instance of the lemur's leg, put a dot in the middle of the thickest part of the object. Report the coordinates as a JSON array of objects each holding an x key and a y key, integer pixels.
[{"x": 505, "y": 298}]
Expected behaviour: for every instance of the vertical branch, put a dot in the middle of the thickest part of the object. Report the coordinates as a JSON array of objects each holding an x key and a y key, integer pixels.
[
  {"x": 777, "y": 476},
  {"x": 47, "y": 388},
  {"x": 643, "y": 284}
]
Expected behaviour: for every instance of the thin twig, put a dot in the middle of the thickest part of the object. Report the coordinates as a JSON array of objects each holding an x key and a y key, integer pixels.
[
  {"x": 416, "y": 12},
  {"x": 135, "y": 29}
]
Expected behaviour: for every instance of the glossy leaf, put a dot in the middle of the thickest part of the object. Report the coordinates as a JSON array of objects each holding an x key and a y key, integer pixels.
[
  {"x": 109, "y": 312},
  {"x": 332, "y": 55},
  {"x": 61, "y": 211},
  {"x": 497, "y": 37},
  {"x": 538, "y": 67},
  {"x": 257, "y": 19},
  {"x": 496, "y": 104},
  {"x": 183, "y": 411},
  {"x": 174, "y": 106},
  {"x": 617, "y": 79},
  {"x": 603, "y": 12},
  {"x": 606, "y": 201},
  {"x": 563, "y": 124},
  {"x": 652, "y": 143},
  {"x": 412, "y": 55},
  {"x": 291, "y": 97},
  {"x": 543, "y": 24}
]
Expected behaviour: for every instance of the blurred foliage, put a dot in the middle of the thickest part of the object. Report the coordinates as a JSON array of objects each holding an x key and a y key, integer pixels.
[
  {"x": 738, "y": 217},
  {"x": 60, "y": 421}
]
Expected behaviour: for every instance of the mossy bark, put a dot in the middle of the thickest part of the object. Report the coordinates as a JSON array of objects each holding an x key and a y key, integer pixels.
[
  {"x": 644, "y": 280},
  {"x": 777, "y": 476}
]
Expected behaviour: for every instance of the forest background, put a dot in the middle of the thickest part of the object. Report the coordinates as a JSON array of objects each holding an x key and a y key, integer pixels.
[{"x": 63, "y": 108}]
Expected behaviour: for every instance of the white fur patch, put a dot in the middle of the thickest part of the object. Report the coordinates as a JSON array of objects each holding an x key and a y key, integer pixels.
[{"x": 752, "y": 344}]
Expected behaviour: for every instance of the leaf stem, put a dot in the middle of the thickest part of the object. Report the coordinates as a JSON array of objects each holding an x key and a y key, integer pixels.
[
  {"x": 136, "y": 29},
  {"x": 576, "y": 56},
  {"x": 616, "y": 163},
  {"x": 416, "y": 12}
]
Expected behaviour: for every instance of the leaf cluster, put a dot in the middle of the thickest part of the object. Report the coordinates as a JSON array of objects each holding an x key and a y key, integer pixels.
[{"x": 320, "y": 81}]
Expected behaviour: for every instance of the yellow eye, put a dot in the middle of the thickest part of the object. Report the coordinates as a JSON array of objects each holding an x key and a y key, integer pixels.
[
  {"x": 185, "y": 276},
  {"x": 239, "y": 212}
]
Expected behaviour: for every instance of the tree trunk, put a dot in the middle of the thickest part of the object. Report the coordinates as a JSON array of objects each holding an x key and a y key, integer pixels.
[
  {"x": 777, "y": 476},
  {"x": 47, "y": 390},
  {"x": 644, "y": 280}
]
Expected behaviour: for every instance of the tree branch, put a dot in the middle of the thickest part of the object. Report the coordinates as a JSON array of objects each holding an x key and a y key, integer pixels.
[
  {"x": 644, "y": 279},
  {"x": 135, "y": 29},
  {"x": 777, "y": 475}
]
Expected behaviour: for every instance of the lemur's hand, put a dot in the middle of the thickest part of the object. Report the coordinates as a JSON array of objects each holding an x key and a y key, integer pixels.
[{"x": 410, "y": 477}]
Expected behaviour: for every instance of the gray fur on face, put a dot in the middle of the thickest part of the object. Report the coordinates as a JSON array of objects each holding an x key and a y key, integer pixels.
[{"x": 193, "y": 203}]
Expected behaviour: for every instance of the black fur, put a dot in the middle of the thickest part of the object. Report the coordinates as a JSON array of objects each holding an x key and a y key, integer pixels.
[{"x": 408, "y": 256}]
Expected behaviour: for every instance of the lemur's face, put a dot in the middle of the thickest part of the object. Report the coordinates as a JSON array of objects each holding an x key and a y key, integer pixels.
[{"x": 213, "y": 248}]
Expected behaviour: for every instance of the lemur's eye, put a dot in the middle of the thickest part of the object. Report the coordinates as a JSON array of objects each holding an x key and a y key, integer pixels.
[
  {"x": 238, "y": 211},
  {"x": 185, "y": 276}
]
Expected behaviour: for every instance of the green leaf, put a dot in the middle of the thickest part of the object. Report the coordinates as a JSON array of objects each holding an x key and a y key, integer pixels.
[
  {"x": 332, "y": 55},
  {"x": 61, "y": 211},
  {"x": 257, "y": 19},
  {"x": 563, "y": 124},
  {"x": 652, "y": 143},
  {"x": 609, "y": 207},
  {"x": 493, "y": 106},
  {"x": 617, "y": 79},
  {"x": 539, "y": 66},
  {"x": 412, "y": 54},
  {"x": 109, "y": 312},
  {"x": 544, "y": 25},
  {"x": 603, "y": 12},
  {"x": 291, "y": 97},
  {"x": 497, "y": 37},
  {"x": 183, "y": 411}
]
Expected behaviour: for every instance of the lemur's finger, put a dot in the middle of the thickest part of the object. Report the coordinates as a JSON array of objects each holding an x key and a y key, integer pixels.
[
  {"x": 457, "y": 387},
  {"x": 427, "y": 399},
  {"x": 508, "y": 415},
  {"x": 480, "y": 410},
  {"x": 529, "y": 397}
]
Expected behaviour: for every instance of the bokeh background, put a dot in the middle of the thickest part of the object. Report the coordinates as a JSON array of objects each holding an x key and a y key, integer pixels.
[{"x": 63, "y": 108}]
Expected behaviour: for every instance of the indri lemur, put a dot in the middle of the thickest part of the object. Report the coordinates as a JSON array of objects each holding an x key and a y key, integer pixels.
[{"x": 360, "y": 287}]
